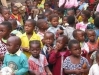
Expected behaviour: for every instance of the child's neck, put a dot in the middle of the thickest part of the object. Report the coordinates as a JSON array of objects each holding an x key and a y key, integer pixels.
[
  {"x": 92, "y": 42},
  {"x": 85, "y": 21},
  {"x": 29, "y": 35},
  {"x": 5, "y": 38},
  {"x": 42, "y": 30}
]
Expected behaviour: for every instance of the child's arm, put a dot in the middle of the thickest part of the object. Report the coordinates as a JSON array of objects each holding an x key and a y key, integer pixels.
[
  {"x": 25, "y": 67},
  {"x": 48, "y": 70}
]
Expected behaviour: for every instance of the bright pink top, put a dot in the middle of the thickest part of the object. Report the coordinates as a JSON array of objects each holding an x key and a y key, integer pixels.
[
  {"x": 71, "y": 3},
  {"x": 81, "y": 26},
  {"x": 97, "y": 9}
]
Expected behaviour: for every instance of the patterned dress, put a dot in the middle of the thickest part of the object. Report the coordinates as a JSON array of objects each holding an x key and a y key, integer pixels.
[{"x": 70, "y": 66}]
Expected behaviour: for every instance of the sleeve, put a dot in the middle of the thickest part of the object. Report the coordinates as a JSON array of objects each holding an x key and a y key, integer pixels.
[
  {"x": 66, "y": 63},
  {"x": 91, "y": 71},
  {"x": 97, "y": 9},
  {"x": 25, "y": 67},
  {"x": 30, "y": 65},
  {"x": 93, "y": 55},
  {"x": 52, "y": 57},
  {"x": 4, "y": 62},
  {"x": 61, "y": 2},
  {"x": 86, "y": 61},
  {"x": 76, "y": 3},
  {"x": 45, "y": 61}
]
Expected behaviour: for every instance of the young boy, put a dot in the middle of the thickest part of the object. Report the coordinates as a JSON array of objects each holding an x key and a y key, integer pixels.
[
  {"x": 28, "y": 36},
  {"x": 14, "y": 58}
]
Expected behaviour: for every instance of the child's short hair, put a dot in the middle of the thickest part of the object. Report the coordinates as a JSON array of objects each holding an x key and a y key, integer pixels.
[
  {"x": 3, "y": 9},
  {"x": 71, "y": 42},
  {"x": 52, "y": 16},
  {"x": 71, "y": 20},
  {"x": 96, "y": 22},
  {"x": 35, "y": 42},
  {"x": 39, "y": 23},
  {"x": 33, "y": 22},
  {"x": 86, "y": 13},
  {"x": 47, "y": 32},
  {"x": 75, "y": 32},
  {"x": 7, "y": 24},
  {"x": 65, "y": 38},
  {"x": 41, "y": 16},
  {"x": 13, "y": 21}
]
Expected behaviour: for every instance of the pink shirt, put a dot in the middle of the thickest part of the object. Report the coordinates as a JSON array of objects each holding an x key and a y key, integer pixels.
[
  {"x": 97, "y": 9},
  {"x": 38, "y": 65},
  {"x": 71, "y": 3},
  {"x": 81, "y": 26}
]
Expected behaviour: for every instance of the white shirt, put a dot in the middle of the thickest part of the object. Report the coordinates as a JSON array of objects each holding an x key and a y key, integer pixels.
[{"x": 94, "y": 70}]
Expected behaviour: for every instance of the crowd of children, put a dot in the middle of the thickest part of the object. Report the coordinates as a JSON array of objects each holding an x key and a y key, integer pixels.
[{"x": 46, "y": 37}]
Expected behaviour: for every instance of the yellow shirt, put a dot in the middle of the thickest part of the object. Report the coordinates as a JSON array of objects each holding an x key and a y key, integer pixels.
[
  {"x": 25, "y": 41},
  {"x": 41, "y": 5}
]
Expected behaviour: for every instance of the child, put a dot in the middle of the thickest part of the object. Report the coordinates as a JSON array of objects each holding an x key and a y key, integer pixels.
[
  {"x": 28, "y": 35},
  {"x": 42, "y": 27},
  {"x": 85, "y": 16},
  {"x": 54, "y": 19},
  {"x": 16, "y": 15},
  {"x": 14, "y": 27},
  {"x": 64, "y": 21},
  {"x": 73, "y": 64},
  {"x": 94, "y": 70},
  {"x": 38, "y": 64},
  {"x": 14, "y": 58},
  {"x": 92, "y": 43},
  {"x": 48, "y": 43},
  {"x": 70, "y": 28},
  {"x": 7, "y": 28},
  {"x": 58, "y": 54},
  {"x": 5, "y": 14},
  {"x": 80, "y": 36}
]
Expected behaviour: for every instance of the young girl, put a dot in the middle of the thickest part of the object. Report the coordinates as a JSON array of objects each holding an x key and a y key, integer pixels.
[
  {"x": 85, "y": 16},
  {"x": 42, "y": 27},
  {"x": 80, "y": 36},
  {"x": 92, "y": 43},
  {"x": 64, "y": 21},
  {"x": 38, "y": 64},
  {"x": 75, "y": 64},
  {"x": 58, "y": 54},
  {"x": 94, "y": 70}
]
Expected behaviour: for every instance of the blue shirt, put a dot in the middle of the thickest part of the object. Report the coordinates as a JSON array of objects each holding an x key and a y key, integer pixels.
[{"x": 17, "y": 62}]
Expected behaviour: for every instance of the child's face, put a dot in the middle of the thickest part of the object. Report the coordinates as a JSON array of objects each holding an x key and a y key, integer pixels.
[
  {"x": 4, "y": 31},
  {"x": 45, "y": 25},
  {"x": 48, "y": 39},
  {"x": 35, "y": 3},
  {"x": 80, "y": 36},
  {"x": 11, "y": 46},
  {"x": 83, "y": 17},
  {"x": 15, "y": 11},
  {"x": 6, "y": 14},
  {"x": 55, "y": 21},
  {"x": 28, "y": 3},
  {"x": 70, "y": 13},
  {"x": 76, "y": 50},
  {"x": 28, "y": 27},
  {"x": 91, "y": 36},
  {"x": 55, "y": 12},
  {"x": 64, "y": 20},
  {"x": 46, "y": 6},
  {"x": 60, "y": 44},
  {"x": 35, "y": 50}
]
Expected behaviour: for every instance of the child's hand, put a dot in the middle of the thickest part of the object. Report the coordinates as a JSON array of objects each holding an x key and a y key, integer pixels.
[
  {"x": 49, "y": 73},
  {"x": 26, "y": 49},
  {"x": 49, "y": 49},
  {"x": 1, "y": 56},
  {"x": 77, "y": 71}
]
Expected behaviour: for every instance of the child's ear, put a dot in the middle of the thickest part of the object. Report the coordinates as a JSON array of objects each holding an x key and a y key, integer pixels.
[{"x": 17, "y": 46}]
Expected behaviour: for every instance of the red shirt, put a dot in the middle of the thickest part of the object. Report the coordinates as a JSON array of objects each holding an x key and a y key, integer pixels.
[{"x": 55, "y": 59}]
